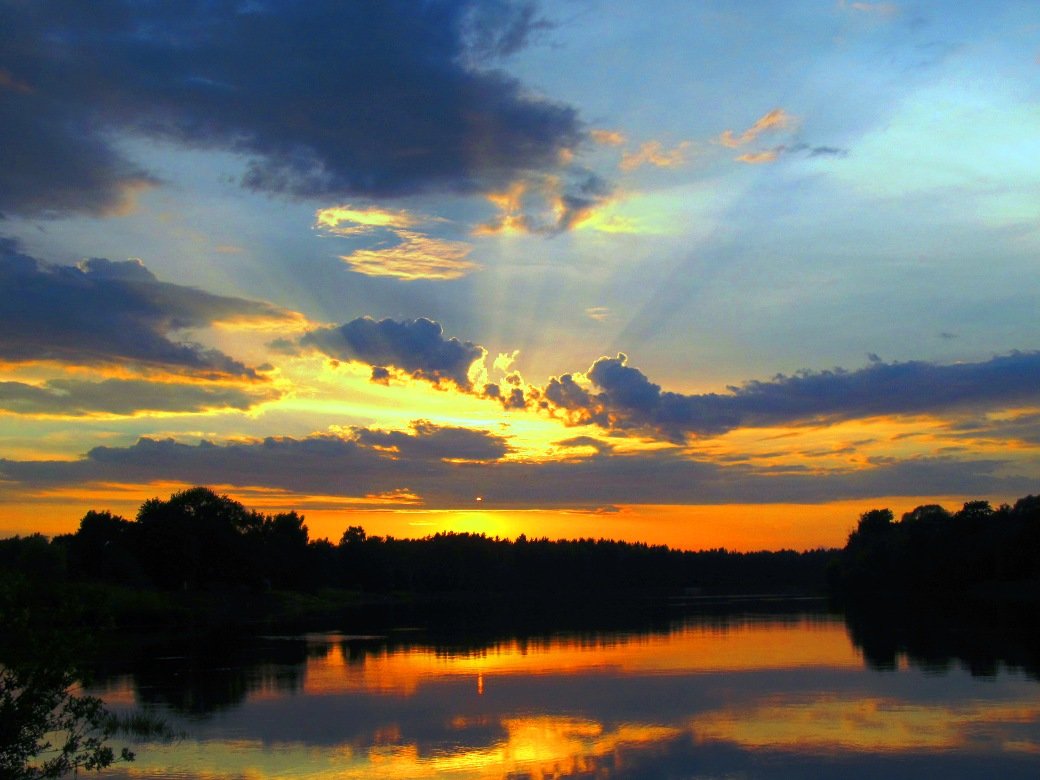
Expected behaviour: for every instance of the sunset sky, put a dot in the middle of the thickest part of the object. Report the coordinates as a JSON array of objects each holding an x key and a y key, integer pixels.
[{"x": 696, "y": 273}]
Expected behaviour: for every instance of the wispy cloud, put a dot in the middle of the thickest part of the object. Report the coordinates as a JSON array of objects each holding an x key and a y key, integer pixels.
[
  {"x": 759, "y": 158},
  {"x": 881, "y": 9},
  {"x": 421, "y": 465},
  {"x": 70, "y": 398},
  {"x": 774, "y": 154},
  {"x": 655, "y": 154},
  {"x": 348, "y": 221},
  {"x": 11, "y": 83},
  {"x": 608, "y": 137},
  {"x": 409, "y": 254},
  {"x": 546, "y": 205},
  {"x": 416, "y": 257},
  {"x": 777, "y": 119}
]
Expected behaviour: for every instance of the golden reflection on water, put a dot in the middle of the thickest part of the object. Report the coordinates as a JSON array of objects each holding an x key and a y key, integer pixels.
[
  {"x": 737, "y": 647},
  {"x": 504, "y": 738},
  {"x": 534, "y": 747},
  {"x": 828, "y": 724}
]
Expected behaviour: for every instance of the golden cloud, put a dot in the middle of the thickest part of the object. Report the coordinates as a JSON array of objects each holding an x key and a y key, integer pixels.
[
  {"x": 653, "y": 153},
  {"x": 759, "y": 158},
  {"x": 607, "y": 137},
  {"x": 418, "y": 256},
  {"x": 542, "y": 206},
  {"x": 347, "y": 221},
  {"x": 777, "y": 119}
]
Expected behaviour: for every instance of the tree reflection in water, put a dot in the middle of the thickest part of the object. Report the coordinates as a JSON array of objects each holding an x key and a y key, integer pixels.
[
  {"x": 936, "y": 636},
  {"x": 758, "y": 689}
]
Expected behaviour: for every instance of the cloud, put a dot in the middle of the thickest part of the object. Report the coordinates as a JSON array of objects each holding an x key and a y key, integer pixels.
[
  {"x": 10, "y": 83},
  {"x": 364, "y": 462},
  {"x": 827, "y": 151},
  {"x": 607, "y": 137},
  {"x": 758, "y": 158},
  {"x": 124, "y": 397},
  {"x": 618, "y": 396},
  {"x": 416, "y": 257},
  {"x": 348, "y": 221},
  {"x": 431, "y": 442},
  {"x": 421, "y": 464},
  {"x": 405, "y": 253},
  {"x": 777, "y": 119},
  {"x": 653, "y": 153},
  {"x": 772, "y": 155},
  {"x": 498, "y": 28},
  {"x": 881, "y": 9},
  {"x": 546, "y": 205},
  {"x": 322, "y": 99},
  {"x": 601, "y": 447},
  {"x": 105, "y": 312},
  {"x": 416, "y": 347}
]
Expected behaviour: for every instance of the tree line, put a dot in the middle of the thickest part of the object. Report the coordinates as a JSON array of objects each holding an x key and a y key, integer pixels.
[
  {"x": 198, "y": 540},
  {"x": 933, "y": 549}
]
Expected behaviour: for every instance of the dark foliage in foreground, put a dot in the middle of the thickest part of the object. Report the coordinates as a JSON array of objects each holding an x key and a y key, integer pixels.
[
  {"x": 932, "y": 549},
  {"x": 197, "y": 540},
  {"x": 48, "y": 728}
]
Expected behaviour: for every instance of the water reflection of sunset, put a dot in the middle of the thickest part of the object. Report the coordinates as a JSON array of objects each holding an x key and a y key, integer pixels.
[
  {"x": 747, "y": 689},
  {"x": 700, "y": 649},
  {"x": 868, "y": 723}
]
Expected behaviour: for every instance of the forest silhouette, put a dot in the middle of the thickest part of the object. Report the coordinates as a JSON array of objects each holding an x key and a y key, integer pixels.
[
  {"x": 198, "y": 541},
  {"x": 932, "y": 549}
]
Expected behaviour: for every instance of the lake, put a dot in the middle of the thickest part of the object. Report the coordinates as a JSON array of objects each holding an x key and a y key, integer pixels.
[{"x": 736, "y": 690}]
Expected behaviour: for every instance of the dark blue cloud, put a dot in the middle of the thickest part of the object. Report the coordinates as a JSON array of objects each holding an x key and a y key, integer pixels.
[
  {"x": 77, "y": 398},
  {"x": 104, "y": 312},
  {"x": 417, "y": 347},
  {"x": 432, "y": 442},
  {"x": 620, "y": 397},
  {"x": 323, "y": 98},
  {"x": 624, "y": 398},
  {"x": 425, "y": 462}
]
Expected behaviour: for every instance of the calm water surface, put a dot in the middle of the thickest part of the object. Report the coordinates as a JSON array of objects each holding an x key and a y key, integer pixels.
[{"x": 730, "y": 695}]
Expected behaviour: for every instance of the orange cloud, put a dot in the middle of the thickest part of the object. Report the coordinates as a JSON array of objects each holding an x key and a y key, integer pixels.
[
  {"x": 509, "y": 203},
  {"x": 544, "y": 206},
  {"x": 11, "y": 83},
  {"x": 607, "y": 137},
  {"x": 130, "y": 190},
  {"x": 416, "y": 257},
  {"x": 653, "y": 153},
  {"x": 347, "y": 221},
  {"x": 777, "y": 119},
  {"x": 758, "y": 158}
]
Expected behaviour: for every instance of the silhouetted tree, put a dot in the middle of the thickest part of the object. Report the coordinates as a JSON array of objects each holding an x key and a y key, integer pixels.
[
  {"x": 198, "y": 538},
  {"x": 930, "y": 548}
]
